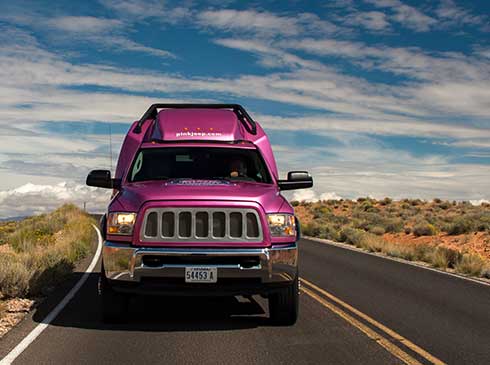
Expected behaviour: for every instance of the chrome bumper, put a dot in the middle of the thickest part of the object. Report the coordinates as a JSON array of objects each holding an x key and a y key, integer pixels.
[{"x": 123, "y": 263}]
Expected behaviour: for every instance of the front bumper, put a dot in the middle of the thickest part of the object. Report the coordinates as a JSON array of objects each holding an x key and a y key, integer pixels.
[{"x": 127, "y": 269}]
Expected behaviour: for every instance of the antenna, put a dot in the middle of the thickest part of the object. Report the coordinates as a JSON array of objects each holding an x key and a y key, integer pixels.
[{"x": 110, "y": 147}]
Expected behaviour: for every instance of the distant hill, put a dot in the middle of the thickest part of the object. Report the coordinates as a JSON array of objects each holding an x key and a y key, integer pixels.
[{"x": 13, "y": 219}]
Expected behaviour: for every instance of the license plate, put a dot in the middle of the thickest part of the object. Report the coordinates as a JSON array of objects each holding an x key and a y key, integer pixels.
[{"x": 201, "y": 274}]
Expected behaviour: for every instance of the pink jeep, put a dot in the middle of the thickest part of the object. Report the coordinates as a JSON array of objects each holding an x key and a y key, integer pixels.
[{"x": 197, "y": 210}]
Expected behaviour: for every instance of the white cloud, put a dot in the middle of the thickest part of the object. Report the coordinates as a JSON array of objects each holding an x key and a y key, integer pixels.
[
  {"x": 136, "y": 9},
  {"x": 479, "y": 202},
  {"x": 121, "y": 43},
  {"x": 307, "y": 195},
  {"x": 31, "y": 199},
  {"x": 389, "y": 126},
  {"x": 248, "y": 20},
  {"x": 411, "y": 62},
  {"x": 265, "y": 23},
  {"x": 84, "y": 24},
  {"x": 372, "y": 20},
  {"x": 310, "y": 195},
  {"x": 451, "y": 14},
  {"x": 406, "y": 15},
  {"x": 270, "y": 56},
  {"x": 108, "y": 32}
]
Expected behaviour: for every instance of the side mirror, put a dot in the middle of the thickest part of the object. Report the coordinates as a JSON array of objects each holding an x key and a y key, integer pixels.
[
  {"x": 102, "y": 179},
  {"x": 296, "y": 180}
]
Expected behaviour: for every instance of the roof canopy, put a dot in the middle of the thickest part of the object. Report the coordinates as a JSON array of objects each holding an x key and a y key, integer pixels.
[{"x": 198, "y": 124}]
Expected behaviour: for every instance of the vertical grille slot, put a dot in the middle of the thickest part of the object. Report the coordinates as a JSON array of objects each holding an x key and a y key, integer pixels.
[
  {"x": 185, "y": 220},
  {"x": 202, "y": 224},
  {"x": 168, "y": 224},
  {"x": 236, "y": 229},
  {"x": 151, "y": 229},
  {"x": 252, "y": 225},
  {"x": 219, "y": 224}
]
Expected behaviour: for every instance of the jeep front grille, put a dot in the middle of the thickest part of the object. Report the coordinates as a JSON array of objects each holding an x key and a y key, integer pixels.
[{"x": 203, "y": 225}]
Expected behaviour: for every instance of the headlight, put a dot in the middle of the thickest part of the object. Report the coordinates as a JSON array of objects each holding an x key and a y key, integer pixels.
[
  {"x": 121, "y": 223},
  {"x": 282, "y": 225}
]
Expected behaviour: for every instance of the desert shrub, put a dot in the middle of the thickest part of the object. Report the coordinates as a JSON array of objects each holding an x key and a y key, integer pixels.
[
  {"x": 365, "y": 206},
  {"x": 321, "y": 212},
  {"x": 370, "y": 242},
  {"x": 470, "y": 264},
  {"x": 443, "y": 257},
  {"x": 386, "y": 201},
  {"x": 350, "y": 235},
  {"x": 437, "y": 200},
  {"x": 329, "y": 231},
  {"x": 399, "y": 251},
  {"x": 377, "y": 230},
  {"x": 41, "y": 259},
  {"x": 415, "y": 202},
  {"x": 6, "y": 228},
  {"x": 393, "y": 225},
  {"x": 14, "y": 277},
  {"x": 445, "y": 205},
  {"x": 294, "y": 203},
  {"x": 424, "y": 229},
  {"x": 486, "y": 271},
  {"x": 461, "y": 225},
  {"x": 310, "y": 229},
  {"x": 482, "y": 226},
  {"x": 407, "y": 230},
  {"x": 422, "y": 252}
]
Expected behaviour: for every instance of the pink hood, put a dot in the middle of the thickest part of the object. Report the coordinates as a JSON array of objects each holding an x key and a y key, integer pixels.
[{"x": 132, "y": 196}]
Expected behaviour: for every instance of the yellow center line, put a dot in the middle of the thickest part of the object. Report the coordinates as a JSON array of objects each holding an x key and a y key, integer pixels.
[
  {"x": 375, "y": 323},
  {"x": 389, "y": 346}
]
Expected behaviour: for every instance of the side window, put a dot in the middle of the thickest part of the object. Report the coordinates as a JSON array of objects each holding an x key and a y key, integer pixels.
[{"x": 137, "y": 165}]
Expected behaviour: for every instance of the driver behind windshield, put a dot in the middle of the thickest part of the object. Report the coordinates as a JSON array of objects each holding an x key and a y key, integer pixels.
[{"x": 238, "y": 168}]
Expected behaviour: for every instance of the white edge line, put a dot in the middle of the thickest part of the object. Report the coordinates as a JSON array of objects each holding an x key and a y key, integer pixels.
[
  {"x": 396, "y": 259},
  {"x": 17, "y": 350}
]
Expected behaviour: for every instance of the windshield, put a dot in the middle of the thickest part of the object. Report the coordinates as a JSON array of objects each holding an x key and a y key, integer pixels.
[{"x": 199, "y": 163}]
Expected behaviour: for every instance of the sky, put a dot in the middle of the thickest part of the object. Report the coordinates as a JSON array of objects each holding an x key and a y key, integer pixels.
[{"x": 373, "y": 97}]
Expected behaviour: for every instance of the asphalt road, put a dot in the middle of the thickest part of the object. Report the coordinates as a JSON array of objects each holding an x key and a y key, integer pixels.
[{"x": 448, "y": 318}]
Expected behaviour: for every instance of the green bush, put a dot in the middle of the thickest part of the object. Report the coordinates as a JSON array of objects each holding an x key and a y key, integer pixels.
[
  {"x": 445, "y": 205},
  {"x": 470, "y": 264},
  {"x": 424, "y": 229},
  {"x": 386, "y": 201},
  {"x": 329, "y": 232},
  {"x": 351, "y": 235},
  {"x": 444, "y": 257},
  {"x": 377, "y": 230},
  {"x": 461, "y": 225},
  {"x": 393, "y": 225}
]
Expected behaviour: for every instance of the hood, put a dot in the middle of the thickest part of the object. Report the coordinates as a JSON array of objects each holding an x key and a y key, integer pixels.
[{"x": 132, "y": 196}]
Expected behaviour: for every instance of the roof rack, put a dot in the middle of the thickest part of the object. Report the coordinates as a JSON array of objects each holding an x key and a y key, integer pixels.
[{"x": 242, "y": 115}]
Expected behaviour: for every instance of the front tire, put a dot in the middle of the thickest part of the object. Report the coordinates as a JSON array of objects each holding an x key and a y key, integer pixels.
[
  {"x": 114, "y": 305},
  {"x": 284, "y": 305}
]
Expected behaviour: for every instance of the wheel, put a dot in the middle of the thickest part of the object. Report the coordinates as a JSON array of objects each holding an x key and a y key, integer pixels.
[
  {"x": 114, "y": 305},
  {"x": 284, "y": 305}
]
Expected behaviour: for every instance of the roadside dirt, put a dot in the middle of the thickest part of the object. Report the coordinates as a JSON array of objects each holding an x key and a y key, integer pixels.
[
  {"x": 475, "y": 242},
  {"x": 12, "y": 311}
]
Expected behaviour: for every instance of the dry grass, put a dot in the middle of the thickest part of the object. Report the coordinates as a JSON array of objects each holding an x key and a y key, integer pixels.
[
  {"x": 447, "y": 235},
  {"x": 470, "y": 264},
  {"x": 43, "y": 250}
]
